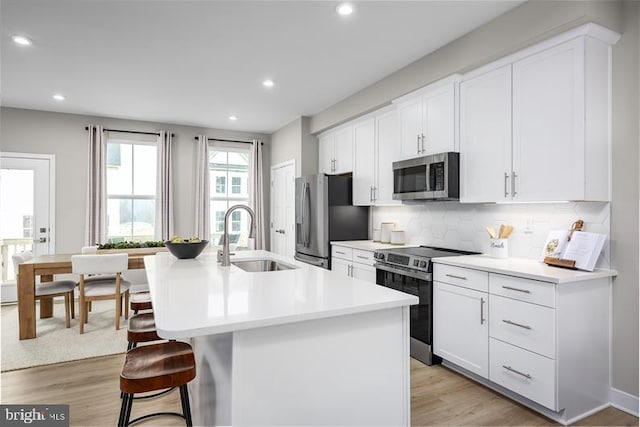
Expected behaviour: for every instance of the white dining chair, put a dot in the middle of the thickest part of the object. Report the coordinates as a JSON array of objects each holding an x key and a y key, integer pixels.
[
  {"x": 103, "y": 289},
  {"x": 53, "y": 289}
]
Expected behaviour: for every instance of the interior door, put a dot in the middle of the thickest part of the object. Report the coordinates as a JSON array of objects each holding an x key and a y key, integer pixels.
[
  {"x": 26, "y": 207},
  {"x": 283, "y": 209}
]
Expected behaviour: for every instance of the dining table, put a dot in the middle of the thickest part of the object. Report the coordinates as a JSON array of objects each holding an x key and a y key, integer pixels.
[{"x": 46, "y": 266}]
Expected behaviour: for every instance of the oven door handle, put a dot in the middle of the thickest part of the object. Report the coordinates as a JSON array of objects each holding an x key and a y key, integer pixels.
[{"x": 410, "y": 273}]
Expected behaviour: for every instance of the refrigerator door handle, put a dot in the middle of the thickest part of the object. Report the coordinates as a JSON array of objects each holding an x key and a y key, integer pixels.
[{"x": 307, "y": 218}]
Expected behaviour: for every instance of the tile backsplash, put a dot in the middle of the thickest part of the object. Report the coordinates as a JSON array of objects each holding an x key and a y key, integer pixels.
[{"x": 462, "y": 226}]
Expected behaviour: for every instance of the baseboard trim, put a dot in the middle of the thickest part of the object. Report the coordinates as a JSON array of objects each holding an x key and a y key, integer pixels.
[{"x": 624, "y": 401}]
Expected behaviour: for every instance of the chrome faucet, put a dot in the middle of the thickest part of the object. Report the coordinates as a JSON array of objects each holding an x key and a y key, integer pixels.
[{"x": 226, "y": 258}]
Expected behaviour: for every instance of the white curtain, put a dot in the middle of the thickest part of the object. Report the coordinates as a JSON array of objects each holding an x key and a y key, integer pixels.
[
  {"x": 256, "y": 193},
  {"x": 202, "y": 189},
  {"x": 96, "y": 221},
  {"x": 164, "y": 190}
]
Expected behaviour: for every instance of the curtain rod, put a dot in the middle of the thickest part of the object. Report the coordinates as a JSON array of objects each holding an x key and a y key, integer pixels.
[
  {"x": 131, "y": 131},
  {"x": 229, "y": 140}
]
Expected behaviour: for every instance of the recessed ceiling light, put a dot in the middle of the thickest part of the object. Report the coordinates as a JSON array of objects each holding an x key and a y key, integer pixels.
[
  {"x": 268, "y": 83},
  {"x": 21, "y": 40},
  {"x": 59, "y": 97},
  {"x": 234, "y": 118},
  {"x": 344, "y": 9}
]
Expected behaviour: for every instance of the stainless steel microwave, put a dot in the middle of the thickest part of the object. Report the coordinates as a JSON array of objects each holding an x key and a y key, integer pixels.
[{"x": 434, "y": 177}]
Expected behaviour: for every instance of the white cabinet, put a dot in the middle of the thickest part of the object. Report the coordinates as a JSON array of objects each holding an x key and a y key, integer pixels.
[
  {"x": 356, "y": 263},
  {"x": 460, "y": 320},
  {"x": 335, "y": 151},
  {"x": 535, "y": 126},
  {"x": 428, "y": 119},
  {"x": 375, "y": 150},
  {"x": 530, "y": 340}
]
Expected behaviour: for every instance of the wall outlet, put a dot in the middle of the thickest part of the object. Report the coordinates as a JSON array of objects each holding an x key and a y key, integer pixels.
[{"x": 528, "y": 226}]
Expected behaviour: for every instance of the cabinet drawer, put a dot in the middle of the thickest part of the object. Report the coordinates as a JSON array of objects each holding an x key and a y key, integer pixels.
[
  {"x": 537, "y": 292},
  {"x": 528, "y": 374},
  {"x": 465, "y": 277},
  {"x": 363, "y": 257},
  {"x": 341, "y": 252},
  {"x": 525, "y": 325}
]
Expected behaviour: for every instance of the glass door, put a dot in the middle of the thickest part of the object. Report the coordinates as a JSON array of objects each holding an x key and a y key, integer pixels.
[{"x": 26, "y": 207}]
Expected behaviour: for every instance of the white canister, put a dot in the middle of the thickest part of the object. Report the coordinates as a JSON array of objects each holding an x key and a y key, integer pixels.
[
  {"x": 397, "y": 237},
  {"x": 376, "y": 234},
  {"x": 385, "y": 231},
  {"x": 499, "y": 248}
]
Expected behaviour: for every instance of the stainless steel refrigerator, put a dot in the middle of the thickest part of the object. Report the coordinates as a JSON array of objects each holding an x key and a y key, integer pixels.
[{"x": 324, "y": 213}]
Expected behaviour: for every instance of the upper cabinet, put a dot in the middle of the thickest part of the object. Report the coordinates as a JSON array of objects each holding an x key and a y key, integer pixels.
[
  {"x": 375, "y": 149},
  {"x": 535, "y": 126},
  {"x": 335, "y": 151},
  {"x": 427, "y": 119}
]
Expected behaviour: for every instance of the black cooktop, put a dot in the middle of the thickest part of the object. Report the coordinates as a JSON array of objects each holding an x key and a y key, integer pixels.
[{"x": 428, "y": 251}]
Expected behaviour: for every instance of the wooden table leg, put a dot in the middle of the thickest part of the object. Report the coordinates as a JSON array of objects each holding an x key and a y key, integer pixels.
[
  {"x": 46, "y": 304},
  {"x": 26, "y": 302}
]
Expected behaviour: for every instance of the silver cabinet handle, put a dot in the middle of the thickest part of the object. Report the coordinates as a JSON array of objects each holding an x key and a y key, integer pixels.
[
  {"x": 509, "y": 368},
  {"x": 362, "y": 257},
  {"x": 513, "y": 183},
  {"x": 371, "y": 194},
  {"x": 375, "y": 193},
  {"x": 350, "y": 271},
  {"x": 456, "y": 277},
  {"x": 423, "y": 150},
  {"x": 333, "y": 165},
  {"x": 418, "y": 144},
  {"x": 481, "y": 311},
  {"x": 341, "y": 253},
  {"x": 526, "y": 291},
  {"x": 506, "y": 178},
  {"x": 516, "y": 324}
]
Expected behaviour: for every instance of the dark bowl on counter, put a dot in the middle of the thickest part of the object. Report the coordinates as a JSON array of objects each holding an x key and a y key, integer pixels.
[{"x": 186, "y": 250}]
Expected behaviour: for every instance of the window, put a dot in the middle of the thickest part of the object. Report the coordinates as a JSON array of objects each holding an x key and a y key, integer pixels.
[
  {"x": 229, "y": 165},
  {"x": 236, "y": 185},
  {"x": 221, "y": 187},
  {"x": 131, "y": 191}
]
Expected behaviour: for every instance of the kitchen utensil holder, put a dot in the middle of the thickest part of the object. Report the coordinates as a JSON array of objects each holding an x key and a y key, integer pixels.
[{"x": 499, "y": 248}]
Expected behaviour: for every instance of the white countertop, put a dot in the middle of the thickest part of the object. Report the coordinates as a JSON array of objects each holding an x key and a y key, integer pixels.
[
  {"x": 195, "y": 297},
  {"x": 367, "y": 245},
  {"x": 526, "y": 268}
]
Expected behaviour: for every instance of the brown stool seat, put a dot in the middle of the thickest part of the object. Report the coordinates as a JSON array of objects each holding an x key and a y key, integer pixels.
[
  {"x": 142, "y": 328},
  {"x": 155, "y": 367},
  {"x": 140, "y": 301}
]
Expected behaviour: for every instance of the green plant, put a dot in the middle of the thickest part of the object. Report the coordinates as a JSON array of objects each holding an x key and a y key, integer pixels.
[{"x": 132, "y": 245}]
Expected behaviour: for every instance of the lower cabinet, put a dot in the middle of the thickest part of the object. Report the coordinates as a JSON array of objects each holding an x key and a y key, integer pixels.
[
  {"x": 461, "y": 327},
  {"x": 545, "y": 343},
  {"x": 356, "y": 263}
]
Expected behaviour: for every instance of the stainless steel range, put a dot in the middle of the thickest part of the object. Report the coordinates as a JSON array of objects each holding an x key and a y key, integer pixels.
[{"x": 410, "y": 270}]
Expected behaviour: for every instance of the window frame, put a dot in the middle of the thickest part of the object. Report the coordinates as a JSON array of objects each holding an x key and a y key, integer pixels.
[{"x": 132, "y": 197}]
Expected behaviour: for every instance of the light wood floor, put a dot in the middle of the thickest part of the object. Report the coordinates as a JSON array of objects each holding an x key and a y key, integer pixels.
[{"x": 438, "y": 397}]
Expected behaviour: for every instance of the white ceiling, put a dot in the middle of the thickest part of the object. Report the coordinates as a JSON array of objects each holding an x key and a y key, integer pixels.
[{"x": 198, "y": 62}]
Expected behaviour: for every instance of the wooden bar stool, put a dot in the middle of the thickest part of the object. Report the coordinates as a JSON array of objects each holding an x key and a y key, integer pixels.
[
  {"x": 142, "y": 328},
  {"x": 140, "y": 301},
  {"x": 155, "y": 367}
]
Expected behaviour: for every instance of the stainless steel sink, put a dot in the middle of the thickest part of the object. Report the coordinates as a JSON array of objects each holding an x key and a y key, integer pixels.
[{"x": 259, "y": 265}]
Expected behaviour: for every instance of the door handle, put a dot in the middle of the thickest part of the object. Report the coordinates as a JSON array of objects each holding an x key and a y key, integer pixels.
[
  {"x": 418, "y": 144},
  {"x": 40, "y": 240},
  {"x": 423, "y": 149},
  {"x": 514, "y": 175},
  {"x": 481, "y": 311}
]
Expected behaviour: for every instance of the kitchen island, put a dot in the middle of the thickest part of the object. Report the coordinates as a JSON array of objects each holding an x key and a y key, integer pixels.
[{"x": 297, "y": 346}]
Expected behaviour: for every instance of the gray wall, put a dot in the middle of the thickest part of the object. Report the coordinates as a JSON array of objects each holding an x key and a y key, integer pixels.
[
  {"x": 285, "y": 144},
  {"x": 30, "y": 131},
  {"x": 295, "y": 141},
  {"x": 624, "y": 209},
  {"x": 520, "y": 27}
]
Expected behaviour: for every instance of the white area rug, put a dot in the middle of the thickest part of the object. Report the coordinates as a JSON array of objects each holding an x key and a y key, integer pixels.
[{"x": 55, "y": 343}]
